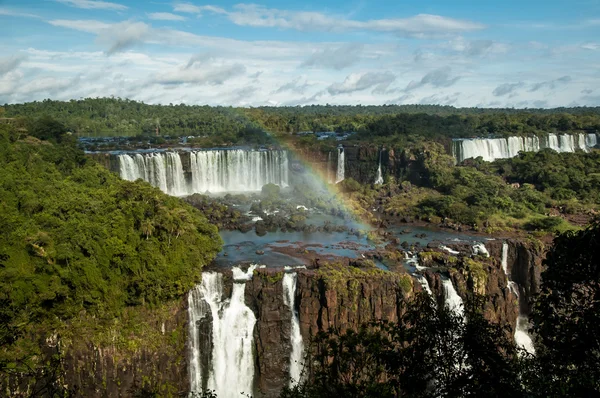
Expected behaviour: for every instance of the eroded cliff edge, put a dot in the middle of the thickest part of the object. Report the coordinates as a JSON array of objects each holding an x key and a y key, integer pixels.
[{"x": 148, "y": 349}]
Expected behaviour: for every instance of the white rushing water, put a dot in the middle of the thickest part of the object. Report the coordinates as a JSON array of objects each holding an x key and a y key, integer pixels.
[
  {"x": 231, "y": 369},
  {"x": 424, "y": 284},
  {"x": 522, "y": 337},
  {"x": 379, "y": 179},
  {"x": 446, "y": 248},
  {"x": 212, "y": 171},
  {"x": 296, "y": 357},
  {"x": 501, "y": 148},
  {"x": 479, "y": 249},
  {"x": 453, "y": 301},
  {"x": 341, "y": 166}
]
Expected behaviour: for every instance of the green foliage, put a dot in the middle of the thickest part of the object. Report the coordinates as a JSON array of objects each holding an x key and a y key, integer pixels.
[
  {"x": 429, "y": 352},
  {"x": 350, "y": 185},
  {"x": 567, "y": 316},
  {"x": 120, "y": 117},
  {"x": 271, "y": 191},
  {"x": 77, "y": 239}
]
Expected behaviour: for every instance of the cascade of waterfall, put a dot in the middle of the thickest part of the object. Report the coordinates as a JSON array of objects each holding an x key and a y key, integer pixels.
[
  {"x": 522, "y": 338},
  {"x": 231, "y": 369},
  {"x": 479, "y": 249},
  {"x": 453, "y": 301},
  {"x": 591, "y": 140},
  {"x": 212, "y": 170},
  {"x": 296, "y": 357},
  {"x": 379, "y": 179},
  {"x": 424, "y": 284},
  {"x": 341, "y": 166},
  {"x": 491, "y": 149}
]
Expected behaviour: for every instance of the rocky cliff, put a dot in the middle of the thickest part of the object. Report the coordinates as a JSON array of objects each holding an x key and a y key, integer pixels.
[{"x": 148, "y": 349}]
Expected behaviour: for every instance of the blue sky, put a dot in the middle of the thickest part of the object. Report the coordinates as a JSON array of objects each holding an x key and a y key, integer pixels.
[{"x": 462, "y": 53}]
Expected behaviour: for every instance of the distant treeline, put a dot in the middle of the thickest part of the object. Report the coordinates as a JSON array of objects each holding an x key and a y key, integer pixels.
[{"x": 122, "y": 117}]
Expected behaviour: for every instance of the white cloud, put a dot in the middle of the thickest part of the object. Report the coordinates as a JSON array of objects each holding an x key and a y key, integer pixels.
[
  {"x": 14, "y": 13},
  {"x": 293, "y": 86},
  {"x": 94, "y": 5},
  {"x": 89, "y": 26},
  {"x": 550, "y": 84},
  {"x": 213, "y": 75},
  {"x": 335, "y": 58},
  {"x": 358, "y": 82},
  {"x": 507, "y": 88},
  {"x": 123, "y": 35},
  {"x": 441, "y": 77},
  {"x": 418, "y": 26},
  {"x": 165, "y": 16},
  {"x": 8, "y": 64},
  {"x": 194, "y": 9}
]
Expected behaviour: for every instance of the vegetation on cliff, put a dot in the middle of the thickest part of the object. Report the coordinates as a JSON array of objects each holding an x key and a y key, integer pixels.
[
  {"x": 434, "y": 352},
  {"x": 77, "y": 240}
]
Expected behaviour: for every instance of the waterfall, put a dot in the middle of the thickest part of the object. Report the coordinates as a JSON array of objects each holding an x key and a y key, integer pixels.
[
  {"x": 591, "y": 140},
  {"x": 522, "y": 338},
  {"x": 231, "y": 369},
  {"x": 341, "y": 166},
  {"x": 479, "y": 249},
  {"x": 491, "y": 149},
  {"x": 214, "y": 171},
  {"x": 296, "y": 357},
  {"x": 379, "y": 179},
  {"x": 424, "y": 284},
  {"x": 453, "y": 301}
]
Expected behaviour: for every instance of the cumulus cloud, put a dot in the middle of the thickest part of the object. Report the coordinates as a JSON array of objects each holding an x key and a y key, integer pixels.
[
  {"x": 123, "y": 35},
  {"x": 478, "y": 48},
  {"x": 450, "y": 99},
  {"x": 293, "y": 86},
  {"x": 507, "y": 88},
  {"x": 550, "y": 84},
  {"x": 165, "y": 16},
  {"x": 437, "y": 78},
  {"x": 358, "y": 82},
  {"x": 8, "y": 64},
  {"x": 335, "y": 58},
  {"x": 215, "y": 75},
  {"x": 94, "y": 5},
  {"x": 418, "y": 26}
]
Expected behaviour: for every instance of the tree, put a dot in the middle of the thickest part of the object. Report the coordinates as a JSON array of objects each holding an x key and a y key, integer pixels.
[
  {"x": 429, "y": 352},
  {"x": 567, "y": 315},
  {"x": 47, "y": 128}
]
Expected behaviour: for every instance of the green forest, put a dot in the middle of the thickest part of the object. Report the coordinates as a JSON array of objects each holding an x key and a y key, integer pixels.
[
  {"x": 77, "y": 240},
  {"x": 96, "y": 117}
]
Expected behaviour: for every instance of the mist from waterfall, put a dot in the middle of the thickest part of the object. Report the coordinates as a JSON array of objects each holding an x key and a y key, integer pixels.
[
  {"x": 379, "y": 179},
  {"x": 522, "y": 337},
  {"x": 211, "y": 171},
  {"x": 296, "y": 357},
  {"x": 491, "y": 149},
  {"x": 231, "y": 361},
  {"x": 329, "y": 170},
  {"x": 341, "y": 166}
]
